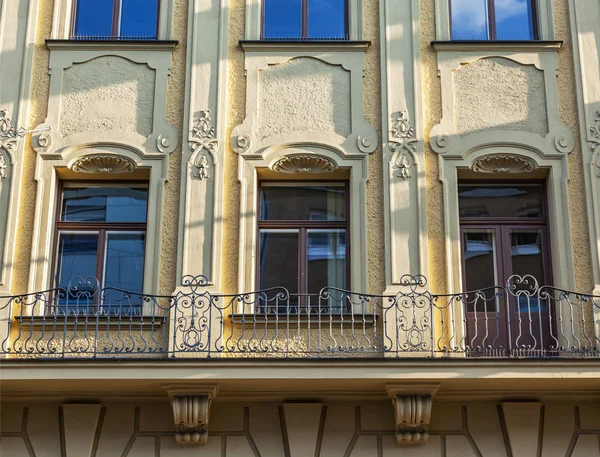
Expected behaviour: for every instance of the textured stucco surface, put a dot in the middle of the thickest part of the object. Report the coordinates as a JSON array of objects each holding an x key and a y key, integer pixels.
[
  {"x": 432, "y": 108},
  {"x": 499, "y": 94},
  {"x": 304, "y": 94},
  {"x": 107, "y": 94}
]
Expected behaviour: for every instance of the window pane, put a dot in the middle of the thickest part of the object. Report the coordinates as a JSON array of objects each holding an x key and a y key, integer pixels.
[
  {"x": 93, "y": 18},
  {"x": 469, "y": 20},
  {"x": 282, "y": 19},
  {"x": 326, "y": 259},
  {"x": 527, "y": 259},
  {"x": 124, "y": 267},
  {"x": 481, "y": 263},
  {"x": 139, "y": 18},
  {"x": 278, "y": 259},
  {"x": 327, "y": 19},
  {"x": 306, "y": 203},
  {"x": 500, "y": 201},
  {"x": 104, "y": 204},
  {"x": 514, "y": 20},
  {"x": 77, "y": 256}
]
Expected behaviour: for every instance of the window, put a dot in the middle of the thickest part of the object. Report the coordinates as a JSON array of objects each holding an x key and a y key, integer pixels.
[
  {"x": 504, "y": 233},
  {"x": 305, "y": 19},
  {"x": 101, "y": 233},
  {"x": 303, "y": 236},
  {"x": 493, "y": 19},
  {"x": 115, "y": 19}
]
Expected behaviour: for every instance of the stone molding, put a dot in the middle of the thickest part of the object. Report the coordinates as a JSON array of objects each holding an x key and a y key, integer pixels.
[
  {"x": 303, "y": 163},
  {"x": 412, "y": 411},
  {"x": 503, "y": 163},
  {"x": 103, "y": 163},
  {"x": 191, "y": 411}
]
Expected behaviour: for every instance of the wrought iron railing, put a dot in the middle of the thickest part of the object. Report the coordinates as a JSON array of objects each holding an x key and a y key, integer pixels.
[{"x": 521, "y": 319}]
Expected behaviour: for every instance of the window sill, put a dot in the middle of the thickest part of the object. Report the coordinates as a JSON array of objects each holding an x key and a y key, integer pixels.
[
  {"x": 348, "y": 320},
  {"x": 496, "y": 46},
  {"x": 304, "y": 45},
  {"x": 123, "y": 45}
]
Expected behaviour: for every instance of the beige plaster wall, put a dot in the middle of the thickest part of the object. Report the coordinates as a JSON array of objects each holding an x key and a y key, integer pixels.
[{"x": 272, "y": 429}]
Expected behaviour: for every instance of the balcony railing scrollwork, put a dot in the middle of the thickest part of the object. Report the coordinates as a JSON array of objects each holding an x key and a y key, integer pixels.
[{"x": 83, "y": 320}]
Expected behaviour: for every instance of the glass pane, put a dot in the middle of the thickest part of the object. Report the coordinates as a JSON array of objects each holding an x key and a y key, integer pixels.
[
  {"x": 104, "y": 204},
  {"x": 500, "y": 201},
  {"x": 278, "y": 259},
  {"x": 93, "y": 18},
  {"x": 282, "y": 19},
  {"x": 527, "y": 259},
  {"x": 124, "y": 269},
  {"x": 326, "y": 259},
  {"x": 469, "y": 20},
  {"x": 327, "y": 19},
  {"x": 306, "y": 203},
  {"x": 139, "y": 18},
  {"x": 77, "y": 256},
  {"x": 514, "y": 20},
  {"x": 481, "y": 264}
]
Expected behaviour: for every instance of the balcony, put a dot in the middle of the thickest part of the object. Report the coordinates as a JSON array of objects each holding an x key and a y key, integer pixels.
[{"x": 518, "y": 320}]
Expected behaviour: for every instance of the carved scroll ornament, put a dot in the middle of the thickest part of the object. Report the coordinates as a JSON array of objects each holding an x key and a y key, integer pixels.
[
  {"x": 402, "y": 143},
  {"x": 304, "y": 163},
  {"x": 203, "y": 140},
  {"x": 503, "y": 163}
]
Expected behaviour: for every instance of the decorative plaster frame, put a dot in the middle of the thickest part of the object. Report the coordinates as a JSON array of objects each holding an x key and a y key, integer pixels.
[
  {"x": 64, "y": 54},
  {"x": 18, "y": 22},
  {"x": 545, "y": 20},
  {"x": 254, "y": 19},
  {"x": 202, "y": 164},
  {"x": 403, "y": 150},
  {"x": 351, "y": 57},
  {"x": 585, "y": 17},
  {"x": 444, "y": 139},
  {"x": 349, "y": 152},
  {"x": 63, "y": 14}
]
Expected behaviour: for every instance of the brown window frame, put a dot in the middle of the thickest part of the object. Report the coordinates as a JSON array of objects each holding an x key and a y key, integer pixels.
[
  {"x": 491, "y": 9},
  {"x": 94, "y": 227},
  {"x": 116, "y": 23},
  {"x": 303, "y": 226},
  {"x": 304, "y": 23}
]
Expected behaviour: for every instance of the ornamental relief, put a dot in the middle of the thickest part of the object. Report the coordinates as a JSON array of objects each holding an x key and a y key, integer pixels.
[
  {"x": 203, "y": 141},
  {"x": 402, "y": 143},
  {"x": 503, "y": 163},
  {"x": 304, "y": 163},
  {"x": 103, "y": 163}
]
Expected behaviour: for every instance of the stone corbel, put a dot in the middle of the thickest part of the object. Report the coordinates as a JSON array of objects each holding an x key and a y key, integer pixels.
[
  {"x": 412, "y": 410},
  {"x": 191, "y": 411}
]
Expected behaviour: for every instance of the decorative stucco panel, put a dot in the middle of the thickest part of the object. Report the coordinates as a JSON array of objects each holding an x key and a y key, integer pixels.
[
  {"x": 499, "y": 94},
  {"x": 304, "y": 94},
  {"x": 108, "y": 93}
]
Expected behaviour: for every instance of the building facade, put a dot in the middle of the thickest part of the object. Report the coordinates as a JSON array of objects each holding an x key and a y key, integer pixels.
[{"x": 300, "y": 228}]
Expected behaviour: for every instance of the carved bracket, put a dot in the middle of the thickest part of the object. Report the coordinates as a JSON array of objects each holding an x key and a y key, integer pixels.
[
  {"x": 503, "y": 163},
  {"x": 402, "y": 143},
  {"x": 203, "y": 140},
  {"x": 191, "y": 411},
  {"x": 304, "y": 163},
  {"x": 412, "y": 411}
]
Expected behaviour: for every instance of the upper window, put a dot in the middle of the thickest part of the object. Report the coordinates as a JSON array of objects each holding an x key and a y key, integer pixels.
[
  {"x": 305, "y": 20},
  {"x": 101, "y": 233},
  {"x": 303, "y": 236},
  {"x": 493, "y": 19},
  {"x": 115, "y": 19}
]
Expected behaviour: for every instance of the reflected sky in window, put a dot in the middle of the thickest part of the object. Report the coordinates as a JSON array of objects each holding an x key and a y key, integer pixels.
[
  {"x": 139, "y": 18},
  {"x": 283, "y": 19},
  {"x": 514, "y": 20},
  {"x": 94, "y": 18},
  {"x": 327, "y": 19},
  {"x": 469, "y": 20}
]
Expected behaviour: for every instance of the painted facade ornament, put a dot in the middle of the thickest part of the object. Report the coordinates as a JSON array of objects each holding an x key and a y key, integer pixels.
[
  {"x": 304, "y": 163},
  {"x": 503, "y": 163},
  {"x": 202, "y": 166},
  {"x": 103, "y": 163},
  {"x": 203, "y": 139},
  {"x": 8, "y": 133},
  {"x": 402, "y": 143}
]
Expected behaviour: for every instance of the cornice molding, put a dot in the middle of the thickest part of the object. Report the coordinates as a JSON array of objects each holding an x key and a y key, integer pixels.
[
  {"x": 303, "y": 46},
  {"x": 121, "y": 45},
  {"x": 496, "y": 46}
]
